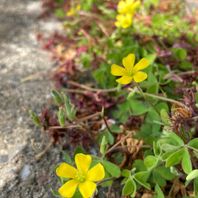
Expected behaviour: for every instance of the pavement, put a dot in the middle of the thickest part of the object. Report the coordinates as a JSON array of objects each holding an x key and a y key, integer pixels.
[{"x": 20, "y": 58}]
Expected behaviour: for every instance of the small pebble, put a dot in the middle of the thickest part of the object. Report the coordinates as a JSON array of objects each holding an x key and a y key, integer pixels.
[
  {"x": 3, "y": 158},
  {"x": 25, "y": 172}
]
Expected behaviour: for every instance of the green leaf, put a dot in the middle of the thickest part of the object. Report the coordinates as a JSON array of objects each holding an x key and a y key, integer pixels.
[
  {"x": 111, "y": 168},
  {"x": 129, "y": 188},
  {"x": 192, "y": 175},
  {"x": 55, "y": 193},
  {"x": 103, "y": 78},
  {"x": 175, "y": 158},
  {"x": 150, "y": 162},
  {"x": 139, "y": 165},
  {"x": 151, "y": 58},
  {"x": 151, "y": 85},
  {"x": 161, "y": 174},
  {"x": 67, "y": 158},
  {"x": 57, "y": 97},
  {"x": 153, "y": 118},
  {"x": 157, "y": 20},
  {"x": 186, "y": 162},
  {"x": 158, "y": 191},
  {"x": 77, "y": 194},
  {"x": 150, "y": 129},
  {"x": 35, "y": 118},
  {"x": 196, "y": 187},
  {"x": 179, "y": 53},
  {"x": 157, "y": 179},
  {"x": 103, "y": 145},
  {"x": 109, "y": 137},
  {"x": 87, "y": 5},
  {"x": 116, "y": 129},
  {"x": 194, "y": 143},
  {"x": 168, "y": 154},
  {"x": 60, "y": 13},
  {"x": 126, "y": 173},
  {"x": 186, "y": 65},
  {"x": 69, "y": 108},
  {"x": 169, "y": 147},
  {"x": 59, "y": 1},
  {"x": 156, "y": 148},
  {"x": 142, "y": 177},
  {"x": 61, "y": 117},
  {"x": 165, "y": 117},
  {"x": 164, "y": 173},
  {"x": 172, "y": 138},
  {"x": 149, "y": 3},
  {"x": 138, "y": 107},
  {"x": 79, "y": 149}
]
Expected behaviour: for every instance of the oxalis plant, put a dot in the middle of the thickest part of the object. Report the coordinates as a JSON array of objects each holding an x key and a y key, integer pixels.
[
  {"x": 158, "y": 158},
  {"x": 170, "y": 158}
]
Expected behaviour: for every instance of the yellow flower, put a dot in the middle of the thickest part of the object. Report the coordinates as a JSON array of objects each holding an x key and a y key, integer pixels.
[
  {"x": 123, "y": 20},
  {"x": 126, "y": 10},
  {"x": 128, "y": 6},
  {"x": 130, "y": 72},
  {"x": 73, "y": 11},
  {"x": 82, "y": 177}
]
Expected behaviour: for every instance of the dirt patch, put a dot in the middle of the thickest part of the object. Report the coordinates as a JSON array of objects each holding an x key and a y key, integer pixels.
[{"x": 20, "y": 141}]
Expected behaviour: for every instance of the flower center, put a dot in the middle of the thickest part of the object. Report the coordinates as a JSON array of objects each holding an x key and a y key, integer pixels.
[
  {"x": 132, "y": 72},
  {"x": 80, "y": 176}
]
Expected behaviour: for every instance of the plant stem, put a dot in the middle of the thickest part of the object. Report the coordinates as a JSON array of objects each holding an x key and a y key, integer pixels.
[
  {"x": 89, "y": 117},
  {"x": 106, "y": 124},
  {"x": 162, "y": 98},
  {"x": 105, "y": 180},
  {"x": 190, "y": 147},
  {"x": 90, "y": 88}
]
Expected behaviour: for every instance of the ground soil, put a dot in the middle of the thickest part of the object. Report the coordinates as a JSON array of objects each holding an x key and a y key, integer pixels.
[{"x": 20, "y": 57}]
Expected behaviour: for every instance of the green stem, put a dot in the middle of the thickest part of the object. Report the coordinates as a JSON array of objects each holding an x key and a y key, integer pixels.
[
  {"x": 105, "y": 180},
  {"x": 190, "y": 147},
  {"x": 162, "y": 98},
  {"x": 144, "y": 96}
]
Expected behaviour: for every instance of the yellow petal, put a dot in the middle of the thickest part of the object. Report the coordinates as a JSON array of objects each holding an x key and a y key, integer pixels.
[
  {"x": 116, "y": 70},
  {"x": 124, "y": 80},
  {"x": 128, "y": 62},
  {"x": 66, "y": 171},
  {"x": 87, "y": 189},
  {"x": 122, "y": 7},
  {"x": 83, "y": 162},
  {"x": 123, "y": 20},
  {"x": 136, "y": 5},
  {"x": 139, "y": 76},
  {"x": 117, "y": 24},
  {"x": 96, "y": 173},
  {"x": 142, "y": 64},
  {"x": 68, "y": 189}
]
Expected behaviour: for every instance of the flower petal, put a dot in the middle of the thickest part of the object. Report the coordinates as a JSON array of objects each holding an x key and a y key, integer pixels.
[
  {"x": 122, "y": 7},
  {"x": 68, "y": 189},
  {"x": 142, "y": 64},
  {"x": 139, "y": 76},
  {"x": 123, "y": 21},
  {"x": 66, "y": 171},
  {"x": 83, "y": 162},
  {"x": 87, "y": 189},
  {"x": 124, "y": 80},
  {"x": 128, "y": 62},
  {"x": 116, "y": 70},
  {"x": 96, "y": 173}
]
